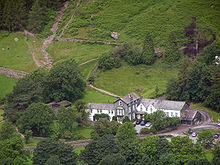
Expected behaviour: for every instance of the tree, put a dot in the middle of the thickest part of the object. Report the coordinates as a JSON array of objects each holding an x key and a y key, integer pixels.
[
  {"x": 198, "y": 162},
  {"x": 167, "y": 158},
  {"x": 82, "y": 115},
  {"x": 57, "y": 151},
  {"x": 53, "y": 160},
  {"x": 126, "y": 119},
  {"x": 37, "y": 17},
  {"x": 148, "y": 56},
  {"x": 101, "y": 116},
  {"x": 7, "y": 130},
  {"x": 104, "y": 126},
  {"x": 205, "y": 138},
  {"x": 66, "y": 119},
  {"x": 27, "y": 90},
  {"x": 133, "y": 56},
  {"x": 197, "y": 39},
  {"x": 126, "y": 132},
  {"x": 184, "y": 150},
  {"x": 65, "y": 82},
  {"x": 114, "y": 159},
  {"x": 27, "y": 135},
  {"x": 171, "y": 53},
  {"x": 97, "y": 149},
  {"x": 38, "y": 118},
  {"x": 216, "y": 153}
]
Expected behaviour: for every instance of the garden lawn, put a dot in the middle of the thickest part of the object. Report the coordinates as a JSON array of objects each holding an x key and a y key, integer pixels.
[
  {"x": 81, "y": 52},
  {"x": 6, "y": 85},
  {"x": 96, "y": 97},
  {"x": 84, "y": 131},
  {"x": 87, "y": 69},
  {"x": 141, "y": 79},
  {"x": 15, "y": 55},
  {"x": 213, "y": 114}
]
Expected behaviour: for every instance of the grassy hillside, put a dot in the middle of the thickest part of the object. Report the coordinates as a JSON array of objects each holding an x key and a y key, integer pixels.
[
  {"x": 6, "y": 85},
  {"x": 15, "y": 55},
  {"x": 98, "y": 18},
  {"x": 79, "y": 51},
  {"x": 141, "y": 79}
]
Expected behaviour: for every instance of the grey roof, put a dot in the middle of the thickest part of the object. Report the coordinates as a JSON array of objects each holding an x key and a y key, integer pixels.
[
  {"x": 164, "y": 104},
  {"x": 130, "y": 97},
  {"x": 101, "y": 106},
  {"x": 188, "y": 114}
]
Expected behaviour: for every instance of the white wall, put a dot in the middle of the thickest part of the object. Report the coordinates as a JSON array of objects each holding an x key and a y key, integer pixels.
[{"x": 95, "y": 111}]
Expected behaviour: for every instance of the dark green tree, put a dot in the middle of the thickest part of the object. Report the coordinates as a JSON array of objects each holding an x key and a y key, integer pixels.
[
  {"x": 148, "y": 56},
  {"x": 126, "y": 119},
  {"x": 38, "y": 117},
  {"x": 82, "y": 115},
  {"x": 49, "y": 148},
  {"x": 171, "y": 52},
  {"x": 66, "y": 118},
  {"x": 37, "y": 17},
  {"x": 26, "y": 91},
  {"x": 27, "y": 135},
  {"x": 126, "y": 132},
  {"x": 65, "y": 82},
  {"x": 97, "y": 149},
  {"x": 113, "y": 159},
  {"x": 53, "y": 160}
]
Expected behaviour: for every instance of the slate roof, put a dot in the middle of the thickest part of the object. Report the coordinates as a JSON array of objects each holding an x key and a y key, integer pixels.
[
  {"x": 164, "y": 104},
  {"x": 188, "y": 115},
  {"x": 101, "y": 106},
  {"x": 130, "y": 97}
]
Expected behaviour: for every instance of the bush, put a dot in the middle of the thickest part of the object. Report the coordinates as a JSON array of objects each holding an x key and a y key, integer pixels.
[
  {"x": 99, "y": 116},
  {"x": 145, "y": 131},
  {"x": 126, "y": 119},
  {"x": 107, "y": 62}
]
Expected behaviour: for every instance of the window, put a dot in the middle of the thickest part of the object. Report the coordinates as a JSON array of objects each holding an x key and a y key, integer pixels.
[
  {"x": 120, "y": 103},
  {"x": 97, "y": 111},
  {"x": 100, "y": 111},
  {"x": 168, "y": 114},
  {"x": 171, "y": 113},
  {"x": 176, "y": 114},
  {"x": 151, "y": 109},
  {"x": 91, "y": 110},
  {"x": 141, "y": 107},
  {"x": 109, "y": 111},
  {"x": 112, "y": 111}
]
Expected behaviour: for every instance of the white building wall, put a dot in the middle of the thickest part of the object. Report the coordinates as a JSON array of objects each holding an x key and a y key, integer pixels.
[{"x": 92, "y": 112}]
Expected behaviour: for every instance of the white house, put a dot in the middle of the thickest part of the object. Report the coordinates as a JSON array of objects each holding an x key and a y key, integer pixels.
[{"x": 135, "y": 107}]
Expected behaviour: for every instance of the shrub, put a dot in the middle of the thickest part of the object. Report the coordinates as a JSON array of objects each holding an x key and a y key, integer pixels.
[
  {"x": 107, "y": 62},
  {"x": 145, "y": 131},
  {"x": 116, "y": 159},
  {"x": 126, "y": 119}
]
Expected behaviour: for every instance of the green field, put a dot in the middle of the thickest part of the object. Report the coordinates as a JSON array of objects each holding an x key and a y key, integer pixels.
[
  {"x": 15, "y": 55},
  {"x": 96, "y": 97},
  {"x": 87, "y": 69},
  {"x": 6, "y": 85},
  {"x": 84, "y": 131},
  {"x": 33, "y": 142},
  {"x": 98, "y": 19},
  {"x": 141, "y": 79},
  {"x": 214, "y": 115},
  {"x": 79, "y": 51}
]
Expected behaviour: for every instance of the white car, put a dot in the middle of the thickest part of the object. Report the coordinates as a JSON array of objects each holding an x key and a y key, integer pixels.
[{"x": 148, "y": 125}]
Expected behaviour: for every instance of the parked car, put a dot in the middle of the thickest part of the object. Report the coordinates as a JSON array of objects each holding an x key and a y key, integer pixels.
[
  {"x": 216, "y": 136},
  {"x": 148, "y": 125},
  {"x": 194, "y": 134}
]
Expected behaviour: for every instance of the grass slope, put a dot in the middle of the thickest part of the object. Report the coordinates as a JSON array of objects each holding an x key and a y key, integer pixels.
[
  {"x": 96, "y": 97},
  {"x": 128, "y": 78},
  {"x": 15, "y": 55},
  {"x": 97, "y": 19},
  {"x": 6, "y": 85},
  {"x": 79, "y": 51},
  {"x": 87, "y": 69}
]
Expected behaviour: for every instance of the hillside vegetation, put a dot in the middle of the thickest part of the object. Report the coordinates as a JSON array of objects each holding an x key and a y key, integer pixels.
[{"x": 97, "y": 19}]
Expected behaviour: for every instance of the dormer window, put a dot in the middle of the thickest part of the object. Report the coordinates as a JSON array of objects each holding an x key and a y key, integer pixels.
[
  {"x": 120, "y": 103},
  {"x": 141, "y": 107}
]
